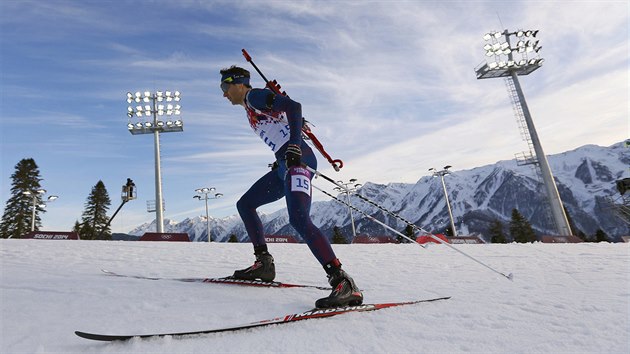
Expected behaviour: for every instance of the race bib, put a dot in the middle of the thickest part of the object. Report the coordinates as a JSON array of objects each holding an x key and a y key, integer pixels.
[{"x": 300, "y": 182}]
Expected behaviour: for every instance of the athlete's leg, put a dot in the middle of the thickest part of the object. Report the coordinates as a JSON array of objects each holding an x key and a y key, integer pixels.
[
  {"x": 298, "y": 195},
  {"x": 267, "y": 189}
]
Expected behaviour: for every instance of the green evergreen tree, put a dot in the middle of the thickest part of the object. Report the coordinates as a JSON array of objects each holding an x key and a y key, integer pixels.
[
  {"x": 600, "y": 236},
  {"x": 520, "y": 229},
  {"x": 18, "y": 211},
  {"x": 409, "y": 232},
  {"x": 77, "y": 227},
  {"x": 94, "y": 218},
  {"x": 496, "y": 232},
  {"x": 338, "y": 238},
  {"x": 233, "y": 238}
]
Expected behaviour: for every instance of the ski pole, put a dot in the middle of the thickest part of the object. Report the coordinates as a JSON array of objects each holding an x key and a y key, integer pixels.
[
  {"x": 509, "y": 276},
  {"x": 368, "y": 215},
  {"x": 414, "y": 226},
  {"x": 275, "y": 87}
]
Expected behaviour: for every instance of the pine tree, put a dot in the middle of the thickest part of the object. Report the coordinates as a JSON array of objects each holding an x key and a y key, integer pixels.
[
  {"x": 233, "y": 238},
  {"x": 18, "y": 212},
  {"x": 338, "y": 238},
  {"x": 409, "y": 232},
  {"x": 94, "y": 218},
  {"x": 496, "y": 232},
  {"x": 600, "y": 236},
  {"x": 77, "y": 228},
  {"x": 520, "y": 229}
]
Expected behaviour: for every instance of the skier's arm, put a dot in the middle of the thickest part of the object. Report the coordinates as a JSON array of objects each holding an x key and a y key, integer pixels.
[
  {"x": 293, "y": 110},
  {"x": 263, "y": 99}
]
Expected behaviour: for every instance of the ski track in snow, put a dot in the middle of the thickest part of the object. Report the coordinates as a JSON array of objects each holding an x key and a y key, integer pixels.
[{"x": 565, "y": 298}]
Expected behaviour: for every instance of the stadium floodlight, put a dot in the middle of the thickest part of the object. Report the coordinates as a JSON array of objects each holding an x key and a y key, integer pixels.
[
  {"x": 37, "y": 194},
  {"x": 498, "y": 48},
  {"x": 529, "y": 61},
  {"x": 349, "y": 187},
  {"x": 205, "y": 191},
  {"x": 530, "y": 33},
  {"x": 143, "y": 120},
  {"x": 441, "y": 174}
]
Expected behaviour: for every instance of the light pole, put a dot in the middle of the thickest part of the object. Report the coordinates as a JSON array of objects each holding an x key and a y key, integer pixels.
[
  {"x": 347, "y": 191},
  {"x": 527, "y": 47},
  {"x": 142, "y": 124},
  {"x": 441, "y": 174},
  {"x": 205, "y": 192},
  {"x": 36, "y": 194}
]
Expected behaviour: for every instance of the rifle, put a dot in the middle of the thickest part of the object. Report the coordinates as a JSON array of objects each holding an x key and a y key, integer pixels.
[{"x": 306, "y": 130}]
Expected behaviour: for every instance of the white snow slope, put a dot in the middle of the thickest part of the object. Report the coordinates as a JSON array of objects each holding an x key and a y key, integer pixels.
[{"x": 565, "y": 298}]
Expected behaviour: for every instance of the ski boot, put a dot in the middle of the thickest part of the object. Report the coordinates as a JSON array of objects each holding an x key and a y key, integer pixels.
[
  {"x": 263, "y": 269},
  {"x": 344, "y": 293}
]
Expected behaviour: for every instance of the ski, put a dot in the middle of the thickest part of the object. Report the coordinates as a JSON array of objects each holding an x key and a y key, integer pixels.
[
  {"x": 307, "y": 315},
  {"x": 224, "y": 280}
]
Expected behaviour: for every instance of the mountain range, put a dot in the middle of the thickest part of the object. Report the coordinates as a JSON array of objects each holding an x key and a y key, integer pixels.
[{"x": 586, "y": 180}]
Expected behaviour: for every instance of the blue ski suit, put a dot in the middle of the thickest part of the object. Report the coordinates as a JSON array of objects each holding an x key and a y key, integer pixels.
[{"x": 277, "y": 120}]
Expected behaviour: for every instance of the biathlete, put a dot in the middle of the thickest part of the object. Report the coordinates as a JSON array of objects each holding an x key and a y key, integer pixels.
[{"x": 278, "y": 121}]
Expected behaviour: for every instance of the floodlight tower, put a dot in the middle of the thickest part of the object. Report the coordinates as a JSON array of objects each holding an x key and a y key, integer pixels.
[
  {"x": 204, "y": 192},
  {"x": 144, "y": 125},
  {"x": 441, "y": 174},
  {"x": 37, "y": 195},
  {"x": 347, "y": 190},
  {"x": 529, "y": 61}
]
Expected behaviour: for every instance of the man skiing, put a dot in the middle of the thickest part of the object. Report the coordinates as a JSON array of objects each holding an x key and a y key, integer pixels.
[{"x": 278, "y": 121}]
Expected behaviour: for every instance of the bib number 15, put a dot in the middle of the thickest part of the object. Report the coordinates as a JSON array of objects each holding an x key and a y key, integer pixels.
[{"x": 300, "y": 183}]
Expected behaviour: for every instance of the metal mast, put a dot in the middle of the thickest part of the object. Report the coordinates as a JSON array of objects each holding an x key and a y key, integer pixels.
[{"x": 510, "y": 69}]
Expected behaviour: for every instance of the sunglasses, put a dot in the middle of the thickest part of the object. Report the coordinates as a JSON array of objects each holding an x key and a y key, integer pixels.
[{"x": 225, "y": 86}]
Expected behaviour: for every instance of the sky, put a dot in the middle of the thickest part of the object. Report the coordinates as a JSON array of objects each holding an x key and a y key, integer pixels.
[{"x": 389, "y": 87}]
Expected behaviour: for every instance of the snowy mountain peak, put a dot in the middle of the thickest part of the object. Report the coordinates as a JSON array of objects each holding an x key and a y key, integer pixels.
[{"x": 585, "y": 178}]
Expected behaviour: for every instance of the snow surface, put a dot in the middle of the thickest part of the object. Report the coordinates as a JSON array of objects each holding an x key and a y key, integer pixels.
[{"x": 565, "y": 298}]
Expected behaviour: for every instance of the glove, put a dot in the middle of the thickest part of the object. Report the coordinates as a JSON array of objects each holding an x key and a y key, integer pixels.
[
  {"x": 293, "y": 156},
  {"x": 273, "y": 165}
]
